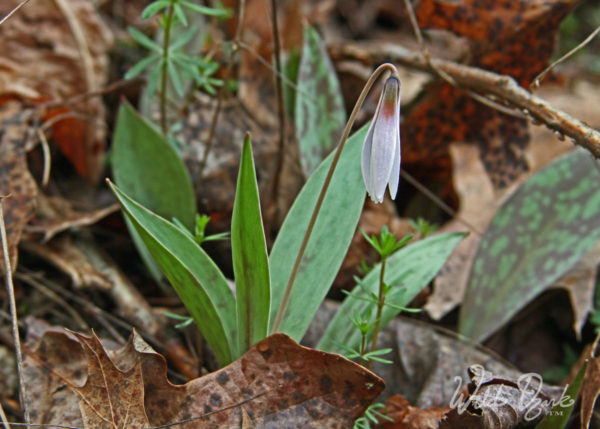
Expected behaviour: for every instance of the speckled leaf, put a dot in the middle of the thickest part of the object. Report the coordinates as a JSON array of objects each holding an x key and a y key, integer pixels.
[
  {"x": 412, "y": 266},
  {"x": 328, "y": 244},
  {"x": 148, "y": 169},
  {"x": 249, "y": 254},
  {"x": 194, "y": 276},
  {"x": 276, "y": 384},
  {"x": 539, "y": 233},
  {"x": 320, "y": 114}
]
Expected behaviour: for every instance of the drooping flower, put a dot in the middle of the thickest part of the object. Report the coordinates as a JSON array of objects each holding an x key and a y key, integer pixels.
[{"x": 381, "y": 150}]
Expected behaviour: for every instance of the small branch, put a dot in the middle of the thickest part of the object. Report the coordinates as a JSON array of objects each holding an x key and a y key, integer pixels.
[
  {"x": 13, "y": 314},
  {"x": 280, "y": 109},
  {"x": 12, "y": 12},
  {"x": 491, "y": 84},
  {"x": 536, "y": 82},
  {"x": 3, "y": 418}
]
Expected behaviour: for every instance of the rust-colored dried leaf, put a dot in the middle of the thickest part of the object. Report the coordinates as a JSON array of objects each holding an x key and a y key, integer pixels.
[
  {"x": 277, "y": 383},
  {"x": 406, "y": 416},
  {"x": 513, "y": 37},
  {"x": 17, "y": 187}
]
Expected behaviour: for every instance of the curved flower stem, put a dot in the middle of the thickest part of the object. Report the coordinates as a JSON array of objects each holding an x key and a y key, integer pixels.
[
  {"x": 286, "y": 295},
  {"x": 380, "y": 304}
]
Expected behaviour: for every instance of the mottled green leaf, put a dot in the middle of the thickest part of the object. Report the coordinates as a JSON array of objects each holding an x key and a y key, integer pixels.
[
  {"x": 320, "y": 115},
  {"x": 328, "y": 244},
  {"x": 539, "y": 233},
  {"x": 249, "y": 253},
  {"x": 408, "y": 271},
  {"x": 195, "y": 277},
  {"x": 148, "y": 169},
  {"x": 559, "y": 416}
]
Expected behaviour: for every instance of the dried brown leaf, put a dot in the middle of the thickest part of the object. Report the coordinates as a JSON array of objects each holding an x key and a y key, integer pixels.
[
  {"x": 51, "y": 53},
  {"x": 408, "y": 417},
  {"x": 277, "y": 383},
  {"x": 56, "y": 214}
]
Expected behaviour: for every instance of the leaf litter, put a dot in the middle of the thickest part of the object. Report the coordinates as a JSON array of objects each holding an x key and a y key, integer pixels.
[{"x": 72, "y": 379}]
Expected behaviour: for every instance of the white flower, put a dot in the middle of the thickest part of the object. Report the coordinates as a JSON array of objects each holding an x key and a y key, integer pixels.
[{"x": 381, "y": 150}]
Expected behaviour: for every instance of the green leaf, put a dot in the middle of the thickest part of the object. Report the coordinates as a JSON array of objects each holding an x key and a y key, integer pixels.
[
  {"x": 147, "y": 167},
  {"x": 208, "y": 11},
  {"x": 319, "y": 113},
  {"x": 140, "y": 66},
  {"x": 154, "y": 7},
  {"x": 328, "y": 244},
  {"x": 413, "y": 266},
  {"x": 179, "y": 14},
  {"x": 559, "y": 416},
  {"x": 144, "y": 40},
  {"x": 175, "y": 79},
  {"x": 194, "y": 276},
  {"x": 539, "y": 233},
  {"x": 250, "y": 261}
]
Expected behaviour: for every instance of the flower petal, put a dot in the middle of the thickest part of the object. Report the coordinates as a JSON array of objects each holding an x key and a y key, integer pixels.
[
  {"x": 395, "y": 174},
  {"x": 366, "y": 158}
]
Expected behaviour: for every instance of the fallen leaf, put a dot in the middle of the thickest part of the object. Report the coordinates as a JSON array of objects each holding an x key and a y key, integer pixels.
[
  {"x": 478, "y": 203},
  {"x": 501, "y": 403},
  {"x": 67, "y": 256},
  {"x": 580, "y": 283},
  {"x": 427, "y": 360},
  {"x": 510, "y": 37},
  {"x": 53, "y": 54},
  {"x": 88, "y": 266},
  {"x": 406, "y": 416},
  {"x": 56, "y": 214},
  {"x": 277, "y": 383},
  {"x": 18, "y": 190}
]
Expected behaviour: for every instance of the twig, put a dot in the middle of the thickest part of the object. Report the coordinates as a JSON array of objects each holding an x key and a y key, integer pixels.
[
  {"x": 437, "y": 201},
  {"x": 97, "y": 93},
  {"x": 536, "y": 82},
  {"x": 19, "y": 6},
  {"x": 234, "y": 49},
  {"x": 444, "y": 76},
  {"x": 47, "y": 156},
  {"x": 501, "y": 86},
  {"x": 3, "y": 417},
  {"x": 54, "y": 296},
  {"x": 280, "y": 109},
  {"x": 13, "y": 313}
]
